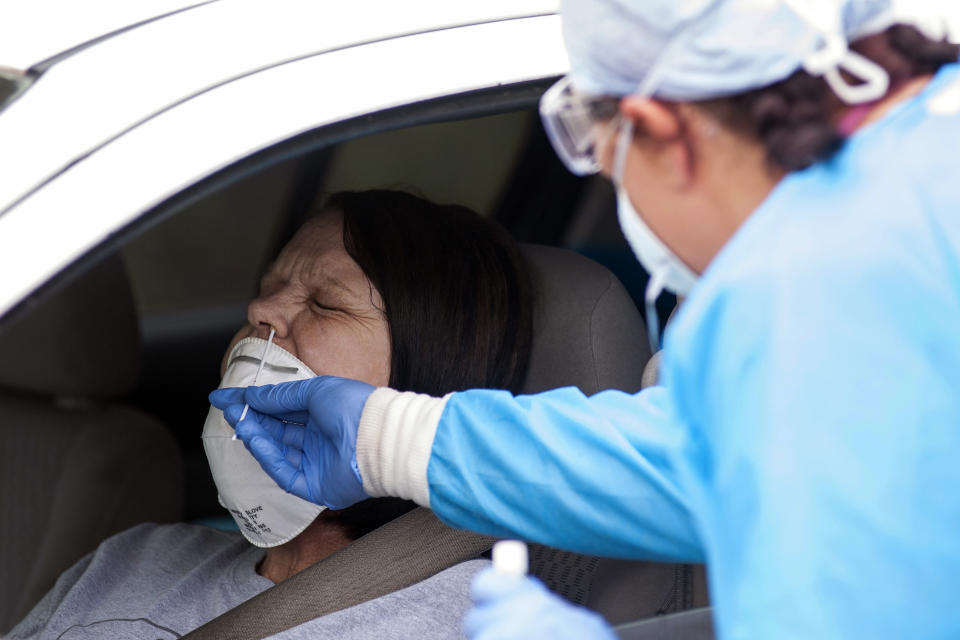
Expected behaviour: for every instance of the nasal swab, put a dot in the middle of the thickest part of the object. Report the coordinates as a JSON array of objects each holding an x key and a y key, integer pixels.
[
  {"x": 510, "y": 557},
  {"x": 256, "y": 378}
]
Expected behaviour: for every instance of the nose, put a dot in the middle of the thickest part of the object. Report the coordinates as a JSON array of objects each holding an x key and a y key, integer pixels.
[{"x": 265, "y": 312}]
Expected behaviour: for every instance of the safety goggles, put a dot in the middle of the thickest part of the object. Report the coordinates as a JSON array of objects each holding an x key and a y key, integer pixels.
[{"x": 571, "y": 120}]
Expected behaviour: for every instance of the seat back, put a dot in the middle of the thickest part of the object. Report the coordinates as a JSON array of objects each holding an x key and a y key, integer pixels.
[
  {"x": 75, "y": 466},
  {"x": 588, "y": 333}
]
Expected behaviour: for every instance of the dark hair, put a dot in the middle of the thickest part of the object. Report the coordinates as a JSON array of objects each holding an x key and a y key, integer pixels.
[
  {"x": 457, "y": 298},
  {"x": 454, "y": 286},
  {"x": 794, "y": 118}
]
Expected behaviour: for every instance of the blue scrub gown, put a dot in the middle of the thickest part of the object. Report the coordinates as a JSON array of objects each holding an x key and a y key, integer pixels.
[{"x": 806, "y": 439}]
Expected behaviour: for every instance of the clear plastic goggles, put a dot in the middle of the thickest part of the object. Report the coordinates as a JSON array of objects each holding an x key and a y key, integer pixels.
[{"x": 571, "y": 119}]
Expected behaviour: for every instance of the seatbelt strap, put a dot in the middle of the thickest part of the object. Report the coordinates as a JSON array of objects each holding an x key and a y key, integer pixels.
[{"x": 402, "y": 552}]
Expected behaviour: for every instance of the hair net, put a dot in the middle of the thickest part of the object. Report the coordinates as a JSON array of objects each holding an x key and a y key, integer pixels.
[{"x": 700, "y": 49}]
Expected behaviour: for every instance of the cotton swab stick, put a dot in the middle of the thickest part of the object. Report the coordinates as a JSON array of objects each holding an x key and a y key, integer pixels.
[{"x": 256, "y": 378}]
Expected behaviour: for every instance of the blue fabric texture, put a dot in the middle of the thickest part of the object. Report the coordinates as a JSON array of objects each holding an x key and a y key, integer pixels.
[{"x": 806, "y": 437}]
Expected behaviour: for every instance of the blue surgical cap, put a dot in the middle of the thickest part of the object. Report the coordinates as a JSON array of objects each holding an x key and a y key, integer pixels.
[{"x": 701, "y": 49}]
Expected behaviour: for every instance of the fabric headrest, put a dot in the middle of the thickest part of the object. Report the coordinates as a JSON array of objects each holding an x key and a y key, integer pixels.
[
  {"x": 587, "y": 331},
  {"x": 80, "y": 341}
]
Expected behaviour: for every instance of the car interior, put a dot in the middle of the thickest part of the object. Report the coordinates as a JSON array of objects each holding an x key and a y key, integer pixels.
[{"x": 104, "y": 373}]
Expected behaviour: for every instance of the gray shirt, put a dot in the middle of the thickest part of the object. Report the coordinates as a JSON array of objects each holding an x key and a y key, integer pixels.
[{"x": 158, "y": 582}]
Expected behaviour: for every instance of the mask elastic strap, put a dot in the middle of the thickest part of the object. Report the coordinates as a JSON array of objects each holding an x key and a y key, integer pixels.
[
  {"x": 624, "y": 136},
  {"x": 653, "y": 291},
  {"x": 655, "y": 284}
]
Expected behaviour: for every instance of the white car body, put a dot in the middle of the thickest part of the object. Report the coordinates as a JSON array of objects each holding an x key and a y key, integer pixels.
[{"x": 118, "y": 119}]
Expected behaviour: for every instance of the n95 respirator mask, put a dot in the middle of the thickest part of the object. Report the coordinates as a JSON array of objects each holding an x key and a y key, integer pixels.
[{"x": 267, "y": 515}]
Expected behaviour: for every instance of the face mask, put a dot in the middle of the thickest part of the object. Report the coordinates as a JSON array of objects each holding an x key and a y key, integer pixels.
[
  {"x": 667, "y": 271},
  {"x": 267, "y": 515}
]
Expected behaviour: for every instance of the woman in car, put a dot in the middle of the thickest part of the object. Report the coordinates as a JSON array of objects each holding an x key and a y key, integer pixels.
[
  {"x": 380, "y": 286},
  {"x": 791, "y": 166}
]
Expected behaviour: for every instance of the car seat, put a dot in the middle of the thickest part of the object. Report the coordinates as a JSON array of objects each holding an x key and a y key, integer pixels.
[
  {"x": 75, "y": 466},
  {"x": 587, "y": 333}
]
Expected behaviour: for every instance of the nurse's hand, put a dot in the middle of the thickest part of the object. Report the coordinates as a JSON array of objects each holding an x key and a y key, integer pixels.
[
  {"x": 303, "y": 434},
  {"x": 510, "y": 606}
]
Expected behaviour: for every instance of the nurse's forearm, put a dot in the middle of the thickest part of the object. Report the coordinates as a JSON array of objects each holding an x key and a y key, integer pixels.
[
  {"x": 394, "y": 441},
  {"x": 590, "y": 474}
]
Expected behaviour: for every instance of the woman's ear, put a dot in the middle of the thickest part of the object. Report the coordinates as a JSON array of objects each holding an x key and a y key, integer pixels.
[{"x": 662, "y": 124}]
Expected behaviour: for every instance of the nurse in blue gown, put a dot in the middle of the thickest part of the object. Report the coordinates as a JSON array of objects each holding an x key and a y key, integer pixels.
[{"x": 792, "y": 168}]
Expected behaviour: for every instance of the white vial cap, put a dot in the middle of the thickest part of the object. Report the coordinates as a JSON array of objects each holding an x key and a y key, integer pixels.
[{"x": 510, "y": 557}]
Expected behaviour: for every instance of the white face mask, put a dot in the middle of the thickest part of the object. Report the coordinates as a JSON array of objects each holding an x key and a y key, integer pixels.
[
  {"x": 667, "y": 271},
  {"x": 267, "y": 515}
]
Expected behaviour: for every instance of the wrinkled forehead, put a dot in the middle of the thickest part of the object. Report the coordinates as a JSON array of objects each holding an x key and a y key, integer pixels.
[
  {"x": 316, "y": 256},
  {"x": 321, "y": 233}
]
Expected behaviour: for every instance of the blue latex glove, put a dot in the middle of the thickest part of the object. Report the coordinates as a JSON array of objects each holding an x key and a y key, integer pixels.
[
  {"x": 303, "y": 434},
  {"x": 510, "y": 606}
]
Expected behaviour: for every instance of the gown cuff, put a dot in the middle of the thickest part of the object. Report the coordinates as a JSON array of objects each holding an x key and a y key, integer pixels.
[{"x": 394, "y": 442}]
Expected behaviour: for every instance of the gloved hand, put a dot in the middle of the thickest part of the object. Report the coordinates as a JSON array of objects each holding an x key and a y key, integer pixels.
[
  {"x": 510, "y": 606},
  {"x": 303, "y": 434}
]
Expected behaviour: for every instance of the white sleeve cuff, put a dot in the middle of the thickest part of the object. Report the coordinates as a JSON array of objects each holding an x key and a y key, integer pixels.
[{"x": 394, "y": 442}]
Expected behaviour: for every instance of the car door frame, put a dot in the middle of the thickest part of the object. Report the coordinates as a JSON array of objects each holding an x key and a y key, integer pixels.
[{"x": 135, "y": 179}]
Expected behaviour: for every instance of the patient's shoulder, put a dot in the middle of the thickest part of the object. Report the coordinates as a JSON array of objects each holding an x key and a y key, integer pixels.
[
  {"x": 153, "y": 534},
  {"x": 150, "y": 541},
  {"x": 175, "y": 575}
]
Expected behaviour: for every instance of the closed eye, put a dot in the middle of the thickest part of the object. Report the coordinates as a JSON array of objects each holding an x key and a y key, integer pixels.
[{"x": 322, "y": 306}]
